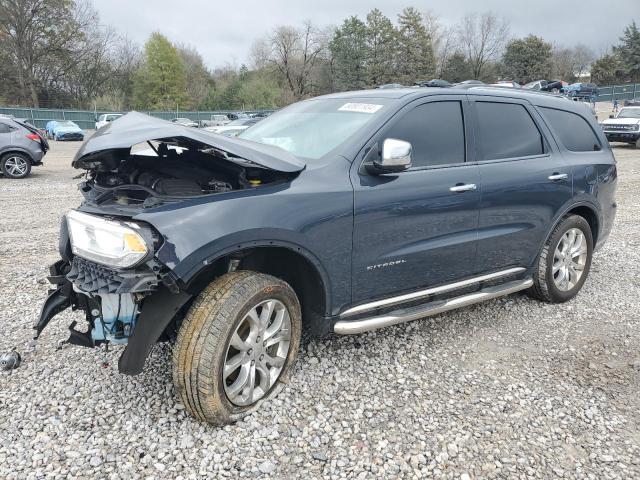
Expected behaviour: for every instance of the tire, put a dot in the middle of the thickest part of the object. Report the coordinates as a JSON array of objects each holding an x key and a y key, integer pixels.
[
  {"x": 15, "y": 165},
  {"x": 204, "y": 346},
  {"x": 637, "y": 144},
  {"x": 555, "y": 90},
  {"x": 548, "y": 284}
]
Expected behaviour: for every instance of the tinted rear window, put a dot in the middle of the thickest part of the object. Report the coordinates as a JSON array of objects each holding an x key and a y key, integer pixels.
[
  {"x": 506, "y": 130},
  {"x": 574, "y": 132},
  {"x": 435, "y": 131}
]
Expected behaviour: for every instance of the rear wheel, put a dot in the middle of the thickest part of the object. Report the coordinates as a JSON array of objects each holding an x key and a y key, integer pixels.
[
  {"x": 236, "y": 345},
  {"x": 564, "y": 263},
  {"x": 15, "y": 165}
]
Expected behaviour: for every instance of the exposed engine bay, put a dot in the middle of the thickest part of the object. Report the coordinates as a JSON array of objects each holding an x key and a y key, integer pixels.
[{"x": 166, "y": 172}]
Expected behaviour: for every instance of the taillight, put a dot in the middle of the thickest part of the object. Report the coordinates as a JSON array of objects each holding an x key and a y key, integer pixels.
[{"x": 34, "y": 137}]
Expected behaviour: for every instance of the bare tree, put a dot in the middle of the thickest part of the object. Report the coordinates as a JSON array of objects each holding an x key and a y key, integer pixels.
[
  {"x": 482, "y": 38},
  {"x": 443, "y": 39},
  {"x": 294, "y": 53},
  {"x": 571, "y": 63}
]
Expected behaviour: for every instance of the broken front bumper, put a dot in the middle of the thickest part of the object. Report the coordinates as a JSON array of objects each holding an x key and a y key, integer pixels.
[{"x": 131, "y": 307}]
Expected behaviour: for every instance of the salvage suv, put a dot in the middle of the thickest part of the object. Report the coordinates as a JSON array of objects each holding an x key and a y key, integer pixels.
[{"x": 344, "y": 213}]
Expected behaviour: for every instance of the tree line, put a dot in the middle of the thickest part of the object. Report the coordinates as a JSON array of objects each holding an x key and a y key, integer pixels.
[{"x": 56, "y": 53}]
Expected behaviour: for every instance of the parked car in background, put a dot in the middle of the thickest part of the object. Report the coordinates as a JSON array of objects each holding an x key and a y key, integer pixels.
[
  {"x": 581, "y": 90},
  {"x": 552, "y": 86},
  {"x": 344, "y": 213},
  {"x": 470, "y": 82},
  {"x": 236, "y": 126},
  {"x": 187, "y": 122},
  {"x": 506, "y": 83},
  {"x": 218, "y": 119},
  {"x": 106, "y": 118},
  {"x": 390, "y": 85},
  {"x": 21, "y": 147},
  {"x": 60, "y": 130},
  {"x": 237, "y": 115},
  {"x": 623, "y": 127},
  {"x": 434, "y": 82}
]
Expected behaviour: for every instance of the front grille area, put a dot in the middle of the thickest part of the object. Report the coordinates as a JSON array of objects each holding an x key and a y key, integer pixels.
[
  {"x": 621, "y": 128},
  {"x": 91, "y": 277}
]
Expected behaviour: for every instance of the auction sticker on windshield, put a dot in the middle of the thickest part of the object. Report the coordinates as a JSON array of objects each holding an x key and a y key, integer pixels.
[{"x": 360, "y": 107}]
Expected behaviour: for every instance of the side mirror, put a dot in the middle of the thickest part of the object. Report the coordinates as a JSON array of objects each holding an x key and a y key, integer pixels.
[
  {"x": 612, "y": 116},
  {"x": 396, "y": 156}
]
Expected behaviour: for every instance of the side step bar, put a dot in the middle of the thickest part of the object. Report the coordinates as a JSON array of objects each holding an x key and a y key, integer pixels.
[{"x": 345, "y": 327}]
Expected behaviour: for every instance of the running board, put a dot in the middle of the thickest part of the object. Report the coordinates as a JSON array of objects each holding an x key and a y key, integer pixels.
[{"x": 346, "y": 327}]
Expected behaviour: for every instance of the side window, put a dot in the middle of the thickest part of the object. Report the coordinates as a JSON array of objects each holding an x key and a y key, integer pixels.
[
  {"x": 435, "y": 131},
  {"x": 574, "y": 132},
  {"x": 4, "y": 128},
  {"x": 506, "y": 130}
]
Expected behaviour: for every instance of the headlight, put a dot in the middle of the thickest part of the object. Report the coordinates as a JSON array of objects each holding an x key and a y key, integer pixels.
[{"x": 109, "y": 242}]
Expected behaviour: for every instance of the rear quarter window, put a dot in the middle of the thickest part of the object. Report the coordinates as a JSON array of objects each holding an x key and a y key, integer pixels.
[{"x": 574, "y": 132}]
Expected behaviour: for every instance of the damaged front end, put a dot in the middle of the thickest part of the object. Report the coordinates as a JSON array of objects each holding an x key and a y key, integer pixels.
[
  {"x": 130, "y": 306},
  {"x": 109, "y": 268}
]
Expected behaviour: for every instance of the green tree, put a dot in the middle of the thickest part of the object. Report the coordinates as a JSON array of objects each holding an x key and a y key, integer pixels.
[
  {"x": 415, "y": 58},
  {"x": 381, "y": 41},
  {"x": 608, "y": 70},
  {"x": 349, "y": 52},
  {"x": 629, "y": 52},
  {"x": 527, "y": 59},
  {"x": 198, "y": 80},
  {"x": 456, "y": 68},
  {"x": 161, "y": 82}
]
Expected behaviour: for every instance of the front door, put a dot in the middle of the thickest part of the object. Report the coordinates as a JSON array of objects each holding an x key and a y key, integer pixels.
[{"x": 417, "y": 228}]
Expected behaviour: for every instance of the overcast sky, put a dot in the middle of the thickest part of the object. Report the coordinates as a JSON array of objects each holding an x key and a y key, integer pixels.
[{"x": 223, "y": 31}]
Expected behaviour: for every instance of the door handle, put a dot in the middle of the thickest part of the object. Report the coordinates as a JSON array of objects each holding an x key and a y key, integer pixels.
[
  {"x": 558, "y": 176},
  {"x": 468, "y": 187}
]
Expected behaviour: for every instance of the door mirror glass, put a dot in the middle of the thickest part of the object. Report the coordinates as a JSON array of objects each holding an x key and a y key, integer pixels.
[{"x": 396, "y": 156}]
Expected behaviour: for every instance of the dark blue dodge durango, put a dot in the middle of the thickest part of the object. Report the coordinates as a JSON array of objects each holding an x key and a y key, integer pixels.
[{"x": 344, "y": 213}]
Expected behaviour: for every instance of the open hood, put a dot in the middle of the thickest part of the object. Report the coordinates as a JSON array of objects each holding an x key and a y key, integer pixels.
[{"x": 134, "y": 128}]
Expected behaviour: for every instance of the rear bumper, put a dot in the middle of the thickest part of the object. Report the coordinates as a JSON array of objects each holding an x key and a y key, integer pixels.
[{"x": 69, "y": 136}]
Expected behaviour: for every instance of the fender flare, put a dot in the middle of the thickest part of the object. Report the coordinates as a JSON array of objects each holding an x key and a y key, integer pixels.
[
  {"x": 188, "y": 270},
  {"x": 561, "y": 213},
  {"x": 15, "y": 149}
]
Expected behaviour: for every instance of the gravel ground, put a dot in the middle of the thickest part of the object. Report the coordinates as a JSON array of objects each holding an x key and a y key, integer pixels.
[{"x": 512, "y": 388}]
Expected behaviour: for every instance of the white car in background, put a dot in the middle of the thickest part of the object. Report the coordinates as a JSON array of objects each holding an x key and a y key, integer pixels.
[
  {"x": 106, "y": 118},
  {"x": 234, "y": 128}
]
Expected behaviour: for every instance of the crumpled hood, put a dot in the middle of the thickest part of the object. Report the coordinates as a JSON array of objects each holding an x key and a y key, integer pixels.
[{"x": 134, "y": 128}]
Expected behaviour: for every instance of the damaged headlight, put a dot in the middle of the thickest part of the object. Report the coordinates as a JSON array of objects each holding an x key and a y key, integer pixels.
[{"x": 109, "y": 242}]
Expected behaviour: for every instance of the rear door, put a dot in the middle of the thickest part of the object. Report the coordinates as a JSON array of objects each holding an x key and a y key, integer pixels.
[
  {"x": 525, "y": 181},
  {"x": 417, "y": 228}
]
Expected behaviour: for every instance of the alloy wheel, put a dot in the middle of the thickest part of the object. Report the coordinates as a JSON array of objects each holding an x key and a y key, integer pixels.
[
  {"x": 16, "y": 166},
  {"x": 569, "y": 259},
  {"x": 257, "y": 352}
]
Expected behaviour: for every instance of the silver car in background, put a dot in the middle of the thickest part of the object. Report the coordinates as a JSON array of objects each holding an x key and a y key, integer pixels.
[{"x": 21, "y": 147}]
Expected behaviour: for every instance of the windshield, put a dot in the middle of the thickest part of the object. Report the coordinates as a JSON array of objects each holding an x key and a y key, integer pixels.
[
  {"x": 629, "y": 113},
  {"x": 313, "y": 128}
]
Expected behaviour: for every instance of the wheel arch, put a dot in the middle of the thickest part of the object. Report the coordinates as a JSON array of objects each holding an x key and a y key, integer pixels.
[
  {"x": 288, "y": 262},
  {"x": 13, "y": 150}
]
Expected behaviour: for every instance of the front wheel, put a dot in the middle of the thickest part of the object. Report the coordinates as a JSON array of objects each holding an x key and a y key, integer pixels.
[
  {"x": 565, "y": 260},
  {"x": 236, "y": 345}
]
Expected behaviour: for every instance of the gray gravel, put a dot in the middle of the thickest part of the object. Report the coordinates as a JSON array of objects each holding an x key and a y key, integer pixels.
[{"x": 509, "y": 389}]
